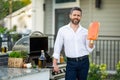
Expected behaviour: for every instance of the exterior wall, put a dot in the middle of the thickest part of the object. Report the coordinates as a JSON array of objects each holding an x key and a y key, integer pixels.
[
  {"x": 38, "y": 15},
  {"x": 107, "y": 15},
  {"x": 50, "y": 13},
  {"x": 22, "y": 19},
  {"x": 107, "y": 48},
  {"x": 27, "y": 19},
  {"x": 66, "y": 5},
  {"x": 48, "y": 22}
]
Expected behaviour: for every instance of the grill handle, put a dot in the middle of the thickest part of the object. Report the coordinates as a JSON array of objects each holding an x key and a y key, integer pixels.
[
  {"x": 38, "y": 33},
  {"x": 51, "y": 67}
]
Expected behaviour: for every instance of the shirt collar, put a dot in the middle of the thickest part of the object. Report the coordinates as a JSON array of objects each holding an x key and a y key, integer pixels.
[{"x": 79, "y": 28}]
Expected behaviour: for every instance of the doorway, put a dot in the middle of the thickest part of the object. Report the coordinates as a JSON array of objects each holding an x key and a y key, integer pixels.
[{"x": 61, "y": 18}]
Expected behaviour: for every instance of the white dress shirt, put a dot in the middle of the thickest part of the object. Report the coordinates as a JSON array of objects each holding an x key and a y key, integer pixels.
[{"x": 75, "y": 44}]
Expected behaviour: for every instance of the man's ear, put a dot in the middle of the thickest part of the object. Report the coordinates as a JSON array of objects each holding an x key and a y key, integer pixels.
[{"x": 70, "y": 15}]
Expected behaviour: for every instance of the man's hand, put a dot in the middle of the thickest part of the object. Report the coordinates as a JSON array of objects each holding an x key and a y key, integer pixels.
[
  {"x": 55, "y": 66},
  {"x": 91, "y": 44}
]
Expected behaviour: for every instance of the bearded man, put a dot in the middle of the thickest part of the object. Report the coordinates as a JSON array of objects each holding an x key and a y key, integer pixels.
[{"x": 76, "y": 46}]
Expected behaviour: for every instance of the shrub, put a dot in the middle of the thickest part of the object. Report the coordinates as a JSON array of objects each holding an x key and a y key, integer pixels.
[
  {"x": 97, "y": 72},
  {"x": 117, "y": 75}
]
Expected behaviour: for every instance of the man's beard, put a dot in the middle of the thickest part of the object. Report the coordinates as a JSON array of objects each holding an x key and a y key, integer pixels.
[{"x": 75, "y": 21}]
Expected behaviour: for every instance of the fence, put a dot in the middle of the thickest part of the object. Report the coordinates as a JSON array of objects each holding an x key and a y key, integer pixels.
[{"x": 107, "y": 50}]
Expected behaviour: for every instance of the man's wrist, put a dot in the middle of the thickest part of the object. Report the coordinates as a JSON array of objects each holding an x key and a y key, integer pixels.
[{"x": 54, "y": 65}]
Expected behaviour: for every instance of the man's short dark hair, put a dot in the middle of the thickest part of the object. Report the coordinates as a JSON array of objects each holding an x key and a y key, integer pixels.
[{"x": 75, "y": 8}]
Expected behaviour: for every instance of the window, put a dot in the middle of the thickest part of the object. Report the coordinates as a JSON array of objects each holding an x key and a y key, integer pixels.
[{"x": 63, "y": 1}]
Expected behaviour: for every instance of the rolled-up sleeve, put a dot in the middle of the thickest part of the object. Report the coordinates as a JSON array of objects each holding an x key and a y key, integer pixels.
[{"x": 58, "y": 45}]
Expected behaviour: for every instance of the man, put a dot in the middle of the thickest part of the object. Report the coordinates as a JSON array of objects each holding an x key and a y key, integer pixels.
[{"x": 77, "y": 48}]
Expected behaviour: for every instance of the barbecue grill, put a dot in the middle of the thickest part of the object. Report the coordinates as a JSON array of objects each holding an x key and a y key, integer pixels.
[
  {"x": 33, "y": 44},
  {"x": 60, "y": 74}
]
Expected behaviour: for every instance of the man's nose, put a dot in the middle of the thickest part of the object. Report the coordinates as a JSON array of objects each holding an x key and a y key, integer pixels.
[{"x": 76, "y": 16}]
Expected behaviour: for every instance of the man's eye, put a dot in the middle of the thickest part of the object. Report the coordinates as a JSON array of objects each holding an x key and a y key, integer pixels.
[{"x": 76, "y": 15}]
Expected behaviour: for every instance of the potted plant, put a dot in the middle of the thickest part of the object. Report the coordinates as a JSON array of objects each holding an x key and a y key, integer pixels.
[{"x": 16, "y": 58}]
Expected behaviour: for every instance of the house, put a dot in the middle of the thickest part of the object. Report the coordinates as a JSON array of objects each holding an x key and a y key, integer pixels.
[
  {"x": 49, "y": 15},
  {"x": 55, "y": 14},
  {"x": 22, "y": 19}
]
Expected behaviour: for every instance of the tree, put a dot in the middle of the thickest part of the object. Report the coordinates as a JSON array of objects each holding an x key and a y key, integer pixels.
[
  {"x": 4, "y": 6},
  {"x": 17, "y": 5},
  {"x": 26, "y": 1}
]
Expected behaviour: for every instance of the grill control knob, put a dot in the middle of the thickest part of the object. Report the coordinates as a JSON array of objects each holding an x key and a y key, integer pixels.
[
  {"x": 64, "y": 70},
  {"x": 61, "y": 71},
  {"x": 53, "y": 73}
]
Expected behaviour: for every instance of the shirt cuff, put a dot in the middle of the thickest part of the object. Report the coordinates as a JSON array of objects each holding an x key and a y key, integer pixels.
[
  {"x": 91, "y": 49},
  {"x": 56, "y": 56}
]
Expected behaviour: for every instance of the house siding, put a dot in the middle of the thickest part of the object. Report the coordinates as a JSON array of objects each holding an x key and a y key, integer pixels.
[
  {"x": 107, "y": 15},
  {"x": 107, "y": 48}
]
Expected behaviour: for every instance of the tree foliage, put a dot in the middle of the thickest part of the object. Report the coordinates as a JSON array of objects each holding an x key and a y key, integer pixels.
[
  {"x": 5, "y": 6},
  {"x": 26, "y": 1}
]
